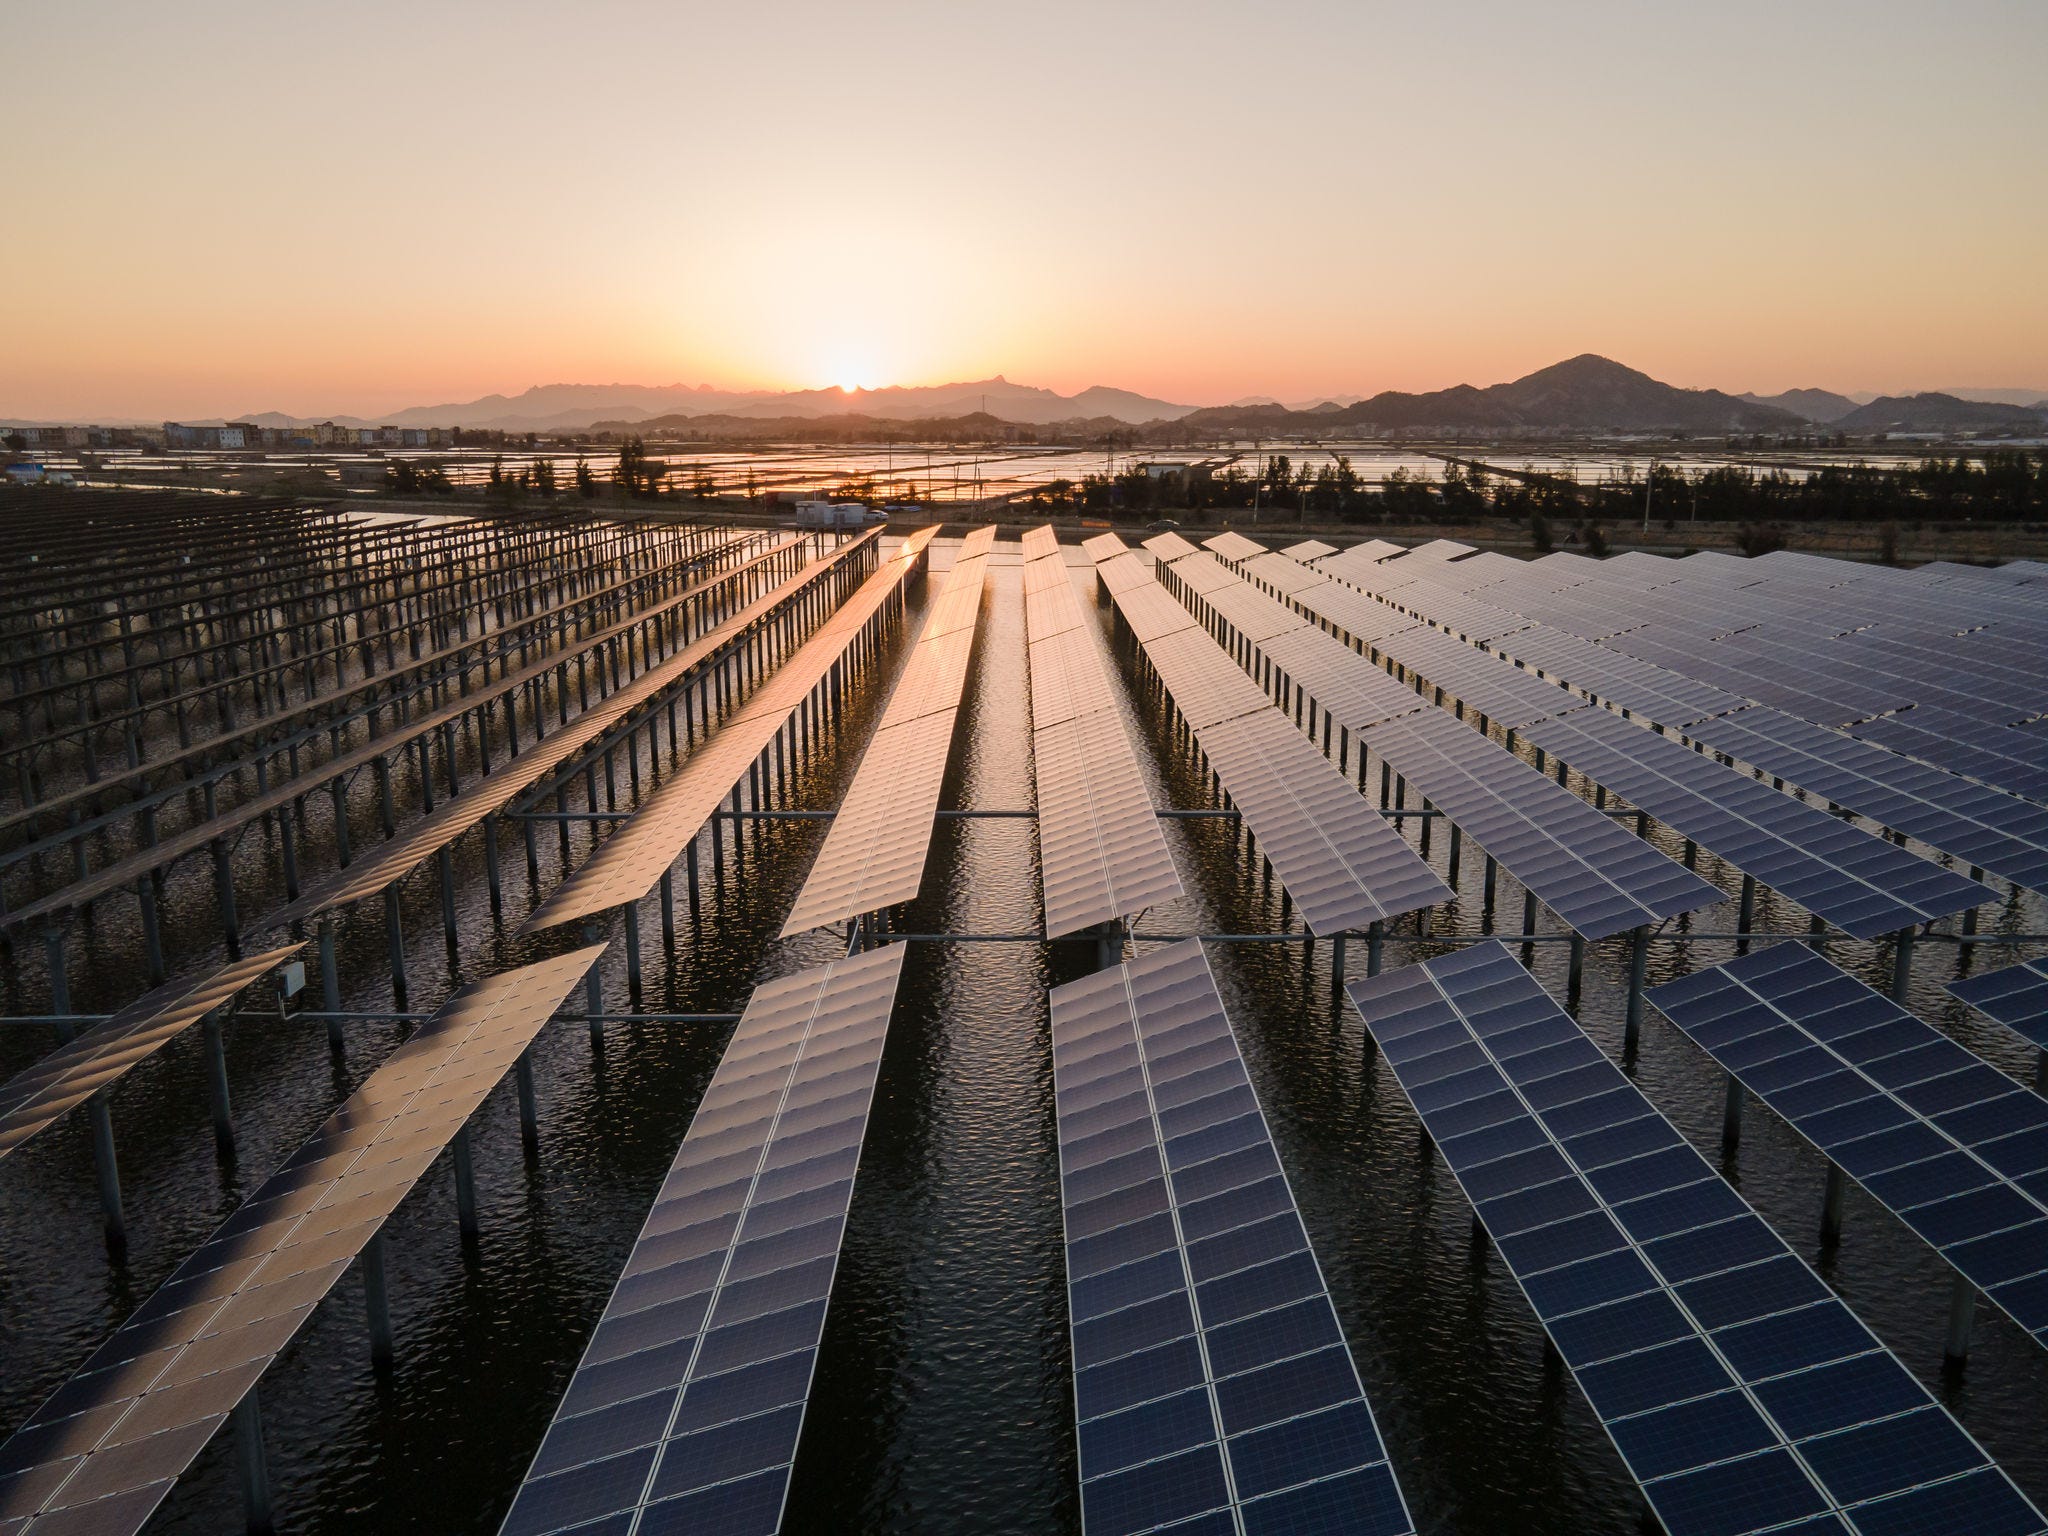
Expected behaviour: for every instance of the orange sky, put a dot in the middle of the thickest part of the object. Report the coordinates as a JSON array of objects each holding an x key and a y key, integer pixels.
[{"x": 353, "y": 209}]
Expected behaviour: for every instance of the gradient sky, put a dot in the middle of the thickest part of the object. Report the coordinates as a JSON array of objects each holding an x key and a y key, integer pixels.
[{"x": 353, "y": 208}]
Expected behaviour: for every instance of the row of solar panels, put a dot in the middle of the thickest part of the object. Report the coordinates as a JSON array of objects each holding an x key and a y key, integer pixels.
[
  {"x": 626, "y": 867},
  {"x": 1287, "y": 1444},
  {"x": 1861, "y": 883},
  {"x": 1865, "y": 885}
]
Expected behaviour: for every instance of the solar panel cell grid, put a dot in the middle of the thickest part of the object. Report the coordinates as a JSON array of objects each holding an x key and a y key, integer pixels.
[
  {"x": 1211, "y": 1379},
  {"x": 1862, "y": 884},
  {"x": 688, "y": 1404},
  {"x": 2016, "y": 997},
  {"x": 105, "y": 1449},
  {"x": 37, "y": 1097},
  {"x": 1955, "y": 1148},
  {"x": 1739, "y": 1391}
]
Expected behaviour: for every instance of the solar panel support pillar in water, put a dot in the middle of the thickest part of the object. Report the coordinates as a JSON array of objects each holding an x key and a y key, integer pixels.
[
  {"x": 108, "y": 1172},
  {"x": 330, "y": 980},
  {"x": 60, "y": 984},
  {"x": 377, "y": 1301},
  {"x": 1902, "y": 965},
  {"x": 1962, "y": 1311},
  {"x": 252, "y": 1467},
  {"x": 1638, "y": 961},
  {"x": 217, "y": 1084}
]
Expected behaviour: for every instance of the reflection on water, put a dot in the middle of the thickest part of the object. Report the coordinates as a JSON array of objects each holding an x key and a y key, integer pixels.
[{"x": 943, "y": 1396}]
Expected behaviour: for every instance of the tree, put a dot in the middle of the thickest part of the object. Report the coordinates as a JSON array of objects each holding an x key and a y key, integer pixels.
[
  {"x": 586, "y": 482},
  {"x": 1540, "y": 536},
  {"x": 17, "y": 443},
  {"x": 544, "y": 477}
]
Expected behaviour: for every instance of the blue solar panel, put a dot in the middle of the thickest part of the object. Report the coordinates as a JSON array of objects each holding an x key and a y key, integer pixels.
[
  {"x": 1956, "y": 1148},
  {"x": 1740, "y": 1392},
  {"x": 1211, "y": 1380},
  {"x": 685, "y": 1411},
  {"x": 2016, "y": 997}
]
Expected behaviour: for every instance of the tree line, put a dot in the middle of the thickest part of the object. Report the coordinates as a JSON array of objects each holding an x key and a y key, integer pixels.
[{"x": 2007, "y": 485}]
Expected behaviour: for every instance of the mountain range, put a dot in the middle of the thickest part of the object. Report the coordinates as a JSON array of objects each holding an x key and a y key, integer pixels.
[{"x": 1587, "y": 393}]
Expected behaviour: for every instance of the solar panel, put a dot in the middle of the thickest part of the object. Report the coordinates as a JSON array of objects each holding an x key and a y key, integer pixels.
[
  {"x": 1864, "y": 885},
  {"x": 1350, "y": 612},
  {"x": 1213, "y": 1389},
  {"x": 1599, "y": 879},
  {"x": 685, "y": 1411},
  {"x": 1328, "y": 670},
  {"x": 1168, "y": 546},
  {"x": 1067, "y": 678},
  {"x": 1283, "y": 574},
  {"x": 1992, "y": 830},
  {"x": 1365, "y": 550},
  {"x": 1150, "y": 613},
  {"x": 626, "y": 865},
  {"x": 104, "y": 1450},
  {"x": 1952, "y": 1146},
  {"x": 124, "y": 872},
  {"x": 874, "y": 855},
  {"x": 398, "y": 856},
  {"x": 41, "y": 1095},
  {"x": 1309, "y": 549},
  {"x": 2016, "y": 997},
  {"x": 1442, "y": 550},
  {"x": 1499, "y": 690},
  {"x": 1335, "y": 856},
  {"x": 1206, "y": 688},
  {"x": 1340, "y": 860},
  {"x": 1101, "y": 854},
  {"x": 1039, "y": 542},
  {"x": 1741, "y": 1393},
  {"x": 1641, "y": 687},
  {"x": 1368, "y": 574},
  {"x": 1233, "y": 546},
  {"x": 1043, "y": 574},
  {"x": 1203, "y": 572},
  {"x": 1102, "y": 546},
  {"x": 1992, "y": 754},
  {"x": 1122, "y": 572}
]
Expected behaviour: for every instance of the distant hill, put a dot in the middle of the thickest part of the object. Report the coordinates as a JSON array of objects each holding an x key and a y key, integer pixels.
[
  {"x": 1821, "y": 405},
  {"x": 1941, "y": 413},
  {"x": 859, "y": 427},
  {"x": 579, "y": 407},
  {"x": 1585, "y": 393}
]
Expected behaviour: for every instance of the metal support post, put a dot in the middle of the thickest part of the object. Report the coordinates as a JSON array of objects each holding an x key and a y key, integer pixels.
[
  {"x": 250, "y": 1464},
  {"x": 1638, "y": 963},
  {"x": 465, "y": 1182},
  {"x": 1831, "y": 1205},
  {"x": 377, "y": 1300},
  {"x": 1746, "y": 917},
  {"x": 394, "y": 944},
  {"x": 1731, "y": 1115},
  {"x": 529, "y": 1110},
  {"x": 1902, "y": 965},
  {"x": 1962, "y": 1311},
  {"x": 1375, "y": 944},
  {"x": 109, "y": 1172},
  {"x": 217, "y": 1084},
  {"x": 330, "y": 984},
  {"x": 60, "y": 982}
]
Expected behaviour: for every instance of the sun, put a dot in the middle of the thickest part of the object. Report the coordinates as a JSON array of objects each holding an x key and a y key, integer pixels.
[{"x": 851, "y": 373}]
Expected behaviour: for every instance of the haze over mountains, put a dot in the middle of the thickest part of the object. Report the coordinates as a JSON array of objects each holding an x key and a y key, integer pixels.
[{"x": 1583, "y": 394}]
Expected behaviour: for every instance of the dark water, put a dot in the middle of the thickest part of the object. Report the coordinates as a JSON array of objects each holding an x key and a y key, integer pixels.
[{"x": 943, "y": 1399}]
